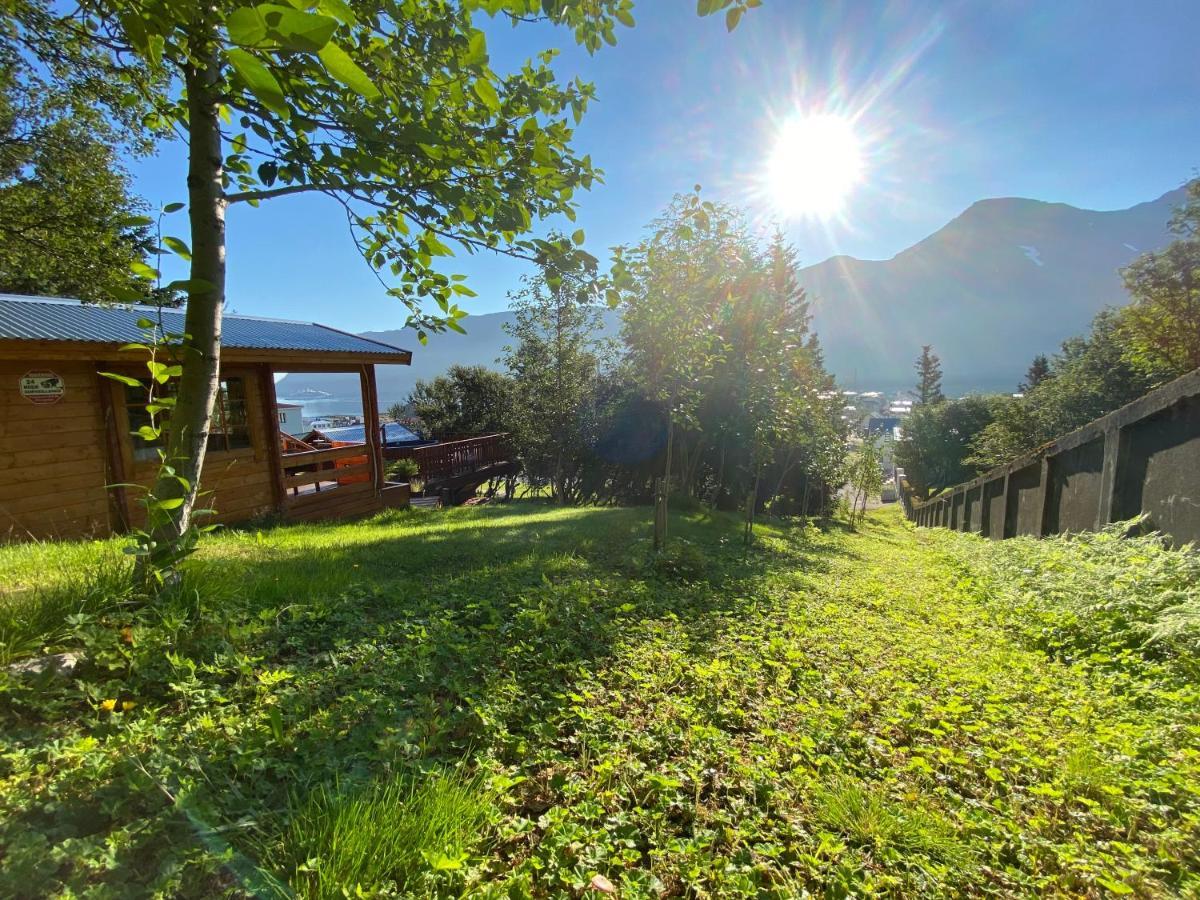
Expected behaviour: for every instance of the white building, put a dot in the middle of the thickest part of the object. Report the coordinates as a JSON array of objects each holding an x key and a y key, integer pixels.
[{"x": 291, "y": 420}]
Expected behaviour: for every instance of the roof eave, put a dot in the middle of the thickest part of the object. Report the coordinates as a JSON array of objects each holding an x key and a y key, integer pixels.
[{"x": 45, "y": 349}]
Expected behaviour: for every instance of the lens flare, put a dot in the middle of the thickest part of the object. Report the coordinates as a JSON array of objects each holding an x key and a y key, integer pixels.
[{"x": 816, "y": 163}]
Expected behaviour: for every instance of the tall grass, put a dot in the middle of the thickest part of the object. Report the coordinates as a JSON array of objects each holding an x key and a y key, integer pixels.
[
  {"x": 869, "y": 818},
  {"x": 381, "y": 838}
]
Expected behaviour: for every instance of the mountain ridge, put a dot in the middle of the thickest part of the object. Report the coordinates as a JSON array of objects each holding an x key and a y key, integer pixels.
[{"x": 1004, "y": 280}]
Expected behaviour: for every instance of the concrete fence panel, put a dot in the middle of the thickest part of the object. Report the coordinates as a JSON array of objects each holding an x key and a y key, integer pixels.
[
  {"x": 1142, "y": 459},
  {"x": 1074, "y": 487},
  {"x": 992, "y": 507}
]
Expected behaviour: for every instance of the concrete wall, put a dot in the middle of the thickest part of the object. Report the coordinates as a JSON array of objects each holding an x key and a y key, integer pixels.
[
  {"x": 1075, "y": 477},
  {"x": 1142, "y": 459},
  {"x": 992, "y": 513}
]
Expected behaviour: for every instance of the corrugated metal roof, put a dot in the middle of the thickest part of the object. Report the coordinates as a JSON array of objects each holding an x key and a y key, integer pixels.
[
  {"x": 394, "y": 433},
  {"x": 55, "y": 319}
]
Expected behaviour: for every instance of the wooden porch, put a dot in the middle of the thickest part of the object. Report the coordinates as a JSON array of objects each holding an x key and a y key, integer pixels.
[
  {"x": 349, "y": 480},
  {"x": 453, "y": 470}
]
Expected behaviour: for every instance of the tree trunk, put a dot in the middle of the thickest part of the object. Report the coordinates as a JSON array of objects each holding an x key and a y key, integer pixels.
[
  {"x": 716, "y": 499},
  {"x": 751, "y": 503},
  {"x": 189, "y": 422},
  {"x": 663, "y": 491},
  {"x": 789, "y": 461}
]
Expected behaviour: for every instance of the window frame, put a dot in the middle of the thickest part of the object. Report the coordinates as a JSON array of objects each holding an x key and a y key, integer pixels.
[{"x": 131, "y": 444}]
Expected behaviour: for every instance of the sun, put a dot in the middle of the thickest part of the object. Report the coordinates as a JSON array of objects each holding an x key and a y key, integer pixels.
[{"x": 814, "y": 166}]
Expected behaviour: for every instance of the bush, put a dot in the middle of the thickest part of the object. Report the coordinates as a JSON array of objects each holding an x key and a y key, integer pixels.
[
  {"x": 1102, "y": 592},
  {"x": 402, "y": 469}
]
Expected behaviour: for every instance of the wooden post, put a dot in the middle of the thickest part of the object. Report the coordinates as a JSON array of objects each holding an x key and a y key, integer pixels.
[
  {"x": 270, "y": 412},
  {"x": 371, "y": 424},
  {"x": 118, "y": 500}
]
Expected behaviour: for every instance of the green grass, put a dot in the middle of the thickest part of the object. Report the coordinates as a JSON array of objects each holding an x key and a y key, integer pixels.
[
  {"x": 382, "y": 835},
  {"x": 509, "y": 700}
]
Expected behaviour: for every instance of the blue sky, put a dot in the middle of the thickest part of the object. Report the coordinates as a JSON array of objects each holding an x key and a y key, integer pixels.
[{"x": 1094, "y": 103}]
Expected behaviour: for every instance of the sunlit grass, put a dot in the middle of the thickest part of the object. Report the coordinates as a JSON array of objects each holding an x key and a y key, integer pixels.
[
  {"x": 382, "y": 837},
  {"x": 512, "y": 700}
]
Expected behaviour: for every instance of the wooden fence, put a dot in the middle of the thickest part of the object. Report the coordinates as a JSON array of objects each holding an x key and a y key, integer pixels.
[
  {"x": 1142, "y": 459},
  {"x": 451, "y": 458}
]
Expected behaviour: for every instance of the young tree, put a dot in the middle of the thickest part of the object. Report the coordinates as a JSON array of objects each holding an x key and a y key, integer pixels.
[
  {"x": 1162, "y": 324},
  {"x": 389, "y": 107},
  {"x": 1039, "y": 371},
  {"x": 675, "y": 282},
  {"x": 467, "y": 400},
  {"x": 865, "y": 477},
  {"x": 554, "y": 365}
]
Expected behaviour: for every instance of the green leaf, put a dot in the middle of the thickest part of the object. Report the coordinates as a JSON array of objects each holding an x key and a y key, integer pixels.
[
  {"x": 178, "y": 247},
  {"x": 577, "y": 237},
  {"x": 169, "y": 503},
  {"x": 733, "y": 17},
  {"x": 339, "y": 64},
  {"x": 189, "y": 285},
  {"x": 246, "y": 26},
  {"x": 259, "y": 80},
  {"x": 297, "y": 30},
  {"x": 339, "y": 10},
  {"x": 173, "y": 207},
  {"x": 124, "y": 379},
  {"x": 141, "y": 270},
  {"x": 485, "y": 92},
  {"x": 476, "y": 54}
]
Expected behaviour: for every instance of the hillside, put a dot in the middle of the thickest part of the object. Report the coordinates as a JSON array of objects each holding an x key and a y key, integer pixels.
[
  {"x": 482, "y": 345},
  {"x": 1007, "y": 279},
  {"x": 518, "y": 700}
]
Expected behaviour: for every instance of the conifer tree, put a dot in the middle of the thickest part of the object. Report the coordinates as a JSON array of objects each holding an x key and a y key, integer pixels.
[
  {"x": 1039, "y": 371},
  {"x": 929, "y": 377}
]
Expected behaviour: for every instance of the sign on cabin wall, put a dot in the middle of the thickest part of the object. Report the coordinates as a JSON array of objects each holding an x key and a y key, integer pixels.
[{"x": 42, "y": 386}]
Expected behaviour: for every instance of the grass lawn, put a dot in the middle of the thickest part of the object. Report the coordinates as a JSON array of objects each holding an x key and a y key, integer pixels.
[{"x": 520, "y": 700}]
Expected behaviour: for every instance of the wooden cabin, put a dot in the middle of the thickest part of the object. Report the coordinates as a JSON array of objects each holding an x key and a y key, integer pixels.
[{"x": 66, "y": 439}]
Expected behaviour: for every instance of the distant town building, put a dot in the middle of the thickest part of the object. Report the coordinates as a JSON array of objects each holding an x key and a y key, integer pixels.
[{"x": 291, "y": 418}]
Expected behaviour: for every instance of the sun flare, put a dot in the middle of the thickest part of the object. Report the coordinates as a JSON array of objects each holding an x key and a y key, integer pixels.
[{"x": 816, "y": 162}]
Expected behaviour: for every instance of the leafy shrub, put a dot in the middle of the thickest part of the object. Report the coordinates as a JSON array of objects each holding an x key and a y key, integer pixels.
[
  {"x": 681, "y": 560},
  {"x": 1102, "y": 592},
  {"x": 402, "y": 469}
]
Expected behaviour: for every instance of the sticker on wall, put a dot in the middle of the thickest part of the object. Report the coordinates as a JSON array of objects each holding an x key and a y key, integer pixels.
[{"x": 42, "y": 386}]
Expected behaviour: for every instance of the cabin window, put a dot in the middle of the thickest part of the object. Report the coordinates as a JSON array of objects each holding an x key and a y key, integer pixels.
[{"x": 230, "y": 428}]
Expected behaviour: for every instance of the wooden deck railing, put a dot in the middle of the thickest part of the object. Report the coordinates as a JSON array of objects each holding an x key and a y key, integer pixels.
[
  {"x": 460, "y": 457},
  {"x": 337, "y": 464}
]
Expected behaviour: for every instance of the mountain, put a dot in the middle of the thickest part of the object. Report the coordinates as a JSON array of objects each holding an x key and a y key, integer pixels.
[
  {"x": 482, "y": 345},
  {"x": 1004, "y": 281}
]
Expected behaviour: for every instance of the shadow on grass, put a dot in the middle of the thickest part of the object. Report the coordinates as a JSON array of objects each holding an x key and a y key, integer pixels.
[{"x": 356, "y": 651}]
